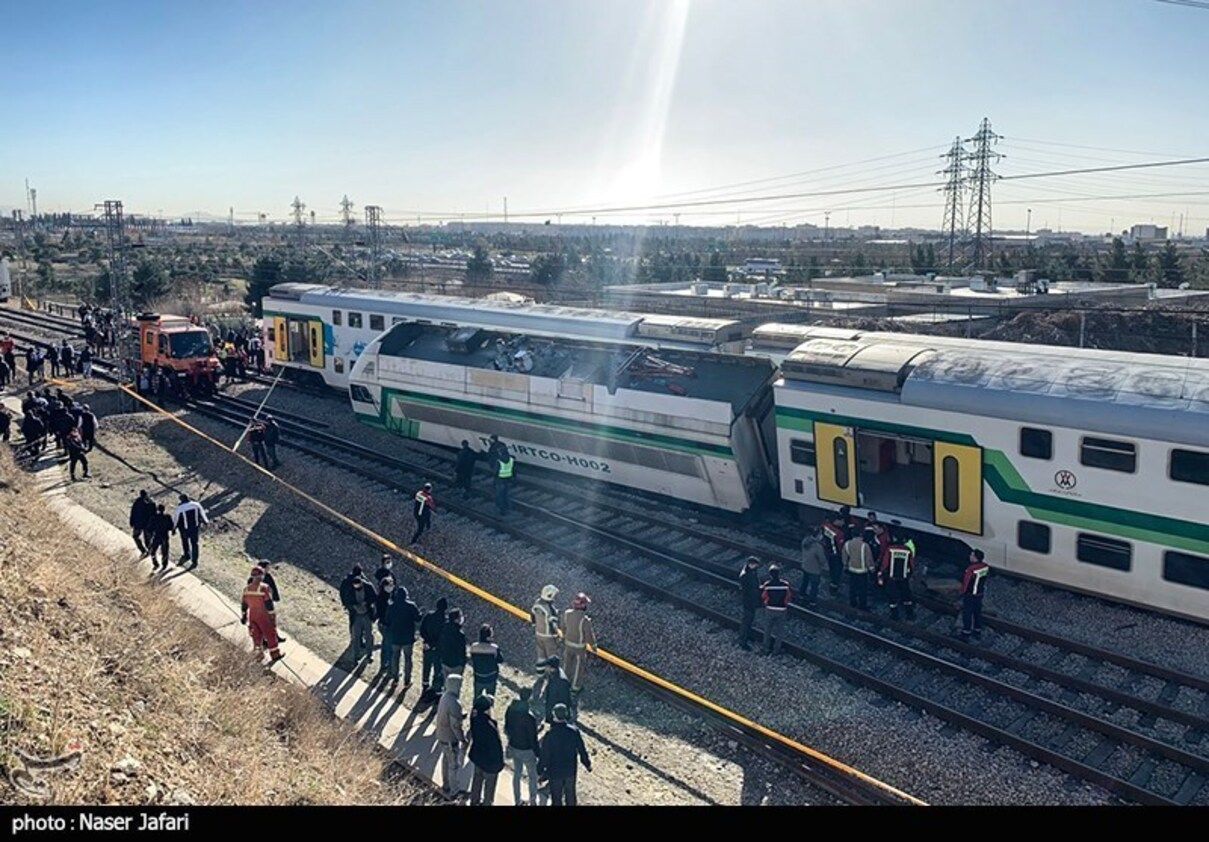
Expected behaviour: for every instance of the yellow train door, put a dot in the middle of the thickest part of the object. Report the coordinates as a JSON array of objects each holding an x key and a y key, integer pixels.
[
  {"x": 316, "y": 343},
  {"x": 281, "y": 338},
  {"x": 835, "y": 463},
  {"x": 957, "y": 487}
]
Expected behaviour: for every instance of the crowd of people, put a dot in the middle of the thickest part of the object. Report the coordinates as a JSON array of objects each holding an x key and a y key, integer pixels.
[
  {"x": 59, "y": 361},
  {"x": 378, "y": 606},
  {"x": 45, "y": 416},
  {"x": 864, "y": 556}
]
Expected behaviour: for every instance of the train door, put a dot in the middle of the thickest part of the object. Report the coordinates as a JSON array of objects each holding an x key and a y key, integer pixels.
[
  {"x": 300, "y": 351},
  {"x": 281, "y": 340},
  {"x": 835, "y": 463},
  {"x": 315, "y": 328},
  {"x": 957, "y": 496}
]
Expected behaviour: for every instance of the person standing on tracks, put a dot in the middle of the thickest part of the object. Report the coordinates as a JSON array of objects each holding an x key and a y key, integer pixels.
[
  {"x": 450, "y": 734},
  {"x": 973, "y": 588},
  {"x": 579, "y": 638},
  {"x": 256, "y": 439},
  {"x": 453, "y": 644},
  {"x": 545, "y": 623},
  {"x": 423, "y": 505},
  {"x": 553, "y": 687},
  {"x": 141, "y": 512},
  {"x": 86, "y": 362},
  {"x": 897, "y": 565},
  {"x": 272, "y": 435},
  {"x": 258, "y": 614},
  {"x": 485, "y": 660},
  {"x": 188, "y": 518},
  {"x": 835, "y": 533},
  {"x": 431, "y": 626},
  {"x": 562, "y": 749},
  {"x": 463, "y": 469},
  {"x": 520, "y": 726},
  {"x": 160, "y": 528},
  {"x": 358, "y": 596},
  {"x": 52, "y": 357},
  {"x": 505, "y": 475},
  {"x": 67, "y": 355},
  {"x": 858, "y": 562},
  {"x": 749, "y": 588},
  {"x": 775, "y": 594},
  {"x": 486, "y": 752},
  {"x": 814, "y": 562}
]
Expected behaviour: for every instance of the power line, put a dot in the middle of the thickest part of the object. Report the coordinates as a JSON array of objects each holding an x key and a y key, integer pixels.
[{"x": 1194, "y": 4}]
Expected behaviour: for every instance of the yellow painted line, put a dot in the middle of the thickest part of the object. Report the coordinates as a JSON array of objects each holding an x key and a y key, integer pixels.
[{"x": 523, "y": 616}]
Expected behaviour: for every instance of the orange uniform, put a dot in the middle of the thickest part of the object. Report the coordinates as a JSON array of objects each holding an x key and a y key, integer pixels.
[{"x": 259, "y": 615}]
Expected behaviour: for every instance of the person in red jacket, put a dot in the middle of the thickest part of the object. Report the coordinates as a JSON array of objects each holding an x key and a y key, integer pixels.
[
  {"x": 258, "y": 615},
  {"x": 973, "y": 588},
  {"x": 775, "y": 594},
  {"x": 897, "y": 564},
  {"x": 424, "y": 505}
]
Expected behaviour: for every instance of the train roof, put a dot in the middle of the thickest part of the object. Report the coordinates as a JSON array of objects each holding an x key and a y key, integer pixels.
[
  {"x": 1136, "y": 395},
  {"x": 703, "y": 375},
  {"x": 516, "y": 316}
]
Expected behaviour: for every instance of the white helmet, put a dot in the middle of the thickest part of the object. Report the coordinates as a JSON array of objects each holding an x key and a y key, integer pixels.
[{"x": 549, "y": 592}]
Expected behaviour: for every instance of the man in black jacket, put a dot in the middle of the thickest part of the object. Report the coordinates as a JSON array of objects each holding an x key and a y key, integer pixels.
[
  {"x": 141, "y": 512},
  {"x": 553, "y": 687},
  {"x": 453, "y": 645},
  {"x": 560, "y": 748},
  {"x": 160, "y": 529},
  {"x": 520, "y": 726},
  {"x": 431, "y": 627},
  {"x": 272, "y": 435},
  {"x": 399, "y": 632},
  {"x": 749, "y": 586},
  {"x": 358, "y": 597},
  {"x": 463, "y": 469}
]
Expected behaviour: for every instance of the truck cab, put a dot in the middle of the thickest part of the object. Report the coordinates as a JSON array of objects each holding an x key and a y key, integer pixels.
[{"x": 177, "y": 344}]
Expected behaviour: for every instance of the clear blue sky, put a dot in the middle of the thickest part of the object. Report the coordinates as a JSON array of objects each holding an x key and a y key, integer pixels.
[{"x": 449, "y": 106}]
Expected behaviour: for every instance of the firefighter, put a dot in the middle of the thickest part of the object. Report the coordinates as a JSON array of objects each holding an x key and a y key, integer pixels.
[
  {"x": 545, "y": 623},
  {"x": 425, "y": 503},
  {"x": 973, "y": 588},
  {"x": 835, "y": 533},
  {"x": 858, "y": 562},
  {"x": 775, "y": 594},
  {"x": 258, "y": 615},
  {"x": 579, "y": 638},
  {"x": 897, "y": 565}
]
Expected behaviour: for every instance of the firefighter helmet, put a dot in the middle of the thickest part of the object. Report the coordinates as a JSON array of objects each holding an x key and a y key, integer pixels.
[{"x": 549, "y": 592}]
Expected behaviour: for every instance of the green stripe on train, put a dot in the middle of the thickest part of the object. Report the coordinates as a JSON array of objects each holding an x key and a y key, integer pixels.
[
  {"x": 595, "y": 430},
  {"x": 1007, "y": 484}
]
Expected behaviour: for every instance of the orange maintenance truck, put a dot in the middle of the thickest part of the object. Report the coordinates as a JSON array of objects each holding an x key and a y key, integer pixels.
[{"x": 173, "y": 343}]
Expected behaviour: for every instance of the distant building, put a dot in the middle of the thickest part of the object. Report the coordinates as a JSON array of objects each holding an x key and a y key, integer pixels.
[
  {"x": 764, "y": 267},
  {"x": 1148, "y": 233}
]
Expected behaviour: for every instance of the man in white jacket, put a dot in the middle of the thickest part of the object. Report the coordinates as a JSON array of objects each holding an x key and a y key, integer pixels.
[{"x": 188, "y": 518}]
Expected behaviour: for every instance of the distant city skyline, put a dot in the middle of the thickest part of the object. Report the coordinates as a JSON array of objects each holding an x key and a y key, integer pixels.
[{"x": 570, "y": 109}]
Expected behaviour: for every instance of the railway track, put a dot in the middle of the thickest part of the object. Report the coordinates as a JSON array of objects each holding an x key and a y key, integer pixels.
[{"x": 1135, "y": 728}]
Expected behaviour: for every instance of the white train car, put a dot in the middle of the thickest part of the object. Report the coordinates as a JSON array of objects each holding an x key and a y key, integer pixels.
[
  {"x": 1084, "y": 468},
  {"x": 693, "y": 425},
  {"x": 6, "y": 280},
  {"x": 318, "y": 331}
]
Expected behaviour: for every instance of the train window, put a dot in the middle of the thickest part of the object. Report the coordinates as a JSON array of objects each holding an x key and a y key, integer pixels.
[
  {"x": 360, "y": 394},
  {"x": 798, "y": 488},
  {"x": 840, "y": 451},
  {"x": 801, "y": 452},
  {"x": 1106, "y": 552},
  {"x": 1036, "y": 443},
  {"x": 377, "y": 322},
  {"x": 1190, "y": 466},
  {"x": 336, "y": 317},
  {"x": 1034, "y": 537},
  {"x": 354, "y": 319},
  {"x": 950, "y": 492},
  {"x": 1185, "y": 569},
  {"x": 339, "y": 365},
  {"x": 1110, "y": 454},
  {"x": 272, "y": 334}
]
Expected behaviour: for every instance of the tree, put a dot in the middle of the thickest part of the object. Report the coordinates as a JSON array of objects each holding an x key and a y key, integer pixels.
[
  {"x": 548, "y": 269},
  {"x": 1171, "y": 270},
  {"x": 1139, "y": 264},
  {"x": 479, "y": 266},
  {"x": 715, "y": 271},
  {"x": 1118, "y": 262},
  {"x": 149, "y": 282},
  {"x": 266, "y": 272}
]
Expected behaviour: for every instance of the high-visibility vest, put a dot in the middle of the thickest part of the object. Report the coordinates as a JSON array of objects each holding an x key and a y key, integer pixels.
[{"x": 506, "y": 468}]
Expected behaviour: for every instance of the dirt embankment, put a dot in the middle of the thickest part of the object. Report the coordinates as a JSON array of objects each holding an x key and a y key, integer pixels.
[{"x": 98, "y": 665}]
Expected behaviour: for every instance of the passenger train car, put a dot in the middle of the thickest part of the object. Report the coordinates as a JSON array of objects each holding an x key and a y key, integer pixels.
[
  {"x": 693, "y": 425},
  {"x": 1085, "y": 468},
  {"x": 6, "y": 281},
  {"x": 318, "y": 331}
]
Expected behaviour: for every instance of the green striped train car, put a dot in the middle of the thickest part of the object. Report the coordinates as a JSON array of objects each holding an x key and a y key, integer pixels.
[
  {"x": 1089, "y": 469},
  {"x": 693, "y": 425}
]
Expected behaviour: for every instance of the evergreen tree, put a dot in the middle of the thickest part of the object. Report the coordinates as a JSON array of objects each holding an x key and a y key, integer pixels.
[
  {"x": 266, "y": 272},
  {"x": 479, "y": 265},
  {"x": 715, "y": 271},
  {"x": 1171, "y": 270},
  {"x": 1139, "y": 264},
  {"x": 1118, "y": 262},
  {"x": 148, "y": 283}
]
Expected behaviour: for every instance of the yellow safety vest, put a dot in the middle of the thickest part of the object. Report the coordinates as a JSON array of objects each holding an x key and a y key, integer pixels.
[{"x": 506, "y": 468}]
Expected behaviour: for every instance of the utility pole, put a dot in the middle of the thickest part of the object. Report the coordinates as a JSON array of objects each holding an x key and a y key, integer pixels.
[
  {"x": 505, "y": 210},
  {"x": 954, "y": 218},
  {"x": 231, "y": 220},
  {"x": 373, "y": 225},
  {"x": 980, "y": 178},
  {"x": 826, "y": 225},
  {"x": 19, "y": 223},
  {"x": 115, "y": 238},
  {"x": 346, "y": 213},
  {"x": 33, "y": 201}
]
